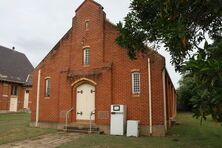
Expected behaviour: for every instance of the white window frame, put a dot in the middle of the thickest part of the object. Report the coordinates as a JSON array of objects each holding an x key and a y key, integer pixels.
[
  {"x": 136, "y": 83},
  {"x": 47, "y": 87},
  {"x": 86, "y": 56}
]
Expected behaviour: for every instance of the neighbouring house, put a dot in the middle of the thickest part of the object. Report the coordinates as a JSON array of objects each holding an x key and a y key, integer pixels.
[
  {"x": 86, "y": 72},
  {"x": 15, "y": 80}
]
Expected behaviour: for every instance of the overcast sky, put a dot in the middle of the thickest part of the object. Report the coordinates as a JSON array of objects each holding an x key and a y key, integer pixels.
[{"x": 35, "y": 26}]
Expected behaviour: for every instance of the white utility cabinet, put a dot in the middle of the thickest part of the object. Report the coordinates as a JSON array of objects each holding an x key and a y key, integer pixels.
[
  {"x": 118, "y": 119},
  {"x": 132, "y": 128}
]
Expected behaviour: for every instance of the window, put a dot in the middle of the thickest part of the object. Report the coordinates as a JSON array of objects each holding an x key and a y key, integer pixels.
[
  {"x": 47, "y": 87},
  {"x": 135, "y": 82},
  {"x": 86, "y": 53},
  {"x": 87, "y": 25},
  {"x": 14, "y": 90},
  {"x": 5, "y": 90}
]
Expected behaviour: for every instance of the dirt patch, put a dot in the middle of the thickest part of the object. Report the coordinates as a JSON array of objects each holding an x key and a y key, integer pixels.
[{"x": 47, "y": 141}]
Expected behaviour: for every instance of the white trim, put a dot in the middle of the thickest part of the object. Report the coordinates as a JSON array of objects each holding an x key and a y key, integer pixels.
[
  {"x": 37, "y": 99},
  {"x": 82, "y": 80},
  {"x": 150, "y": 98},
  {"x": 47, "y": 77},
  {"x": 87, "y": 46}
]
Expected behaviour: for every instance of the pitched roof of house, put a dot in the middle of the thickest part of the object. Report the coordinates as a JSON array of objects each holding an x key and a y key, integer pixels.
[{"x": 14, "y": 66}]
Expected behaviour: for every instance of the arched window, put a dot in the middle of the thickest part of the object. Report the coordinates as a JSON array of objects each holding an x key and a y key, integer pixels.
[
  {"x": 136, "y": 82},
  {"x": 86, "y": 56}
]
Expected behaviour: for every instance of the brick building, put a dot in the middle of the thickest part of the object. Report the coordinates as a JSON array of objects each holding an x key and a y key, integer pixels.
[
  {"x": 15, "y": 82},
  {"x": 86, "y": 72}
]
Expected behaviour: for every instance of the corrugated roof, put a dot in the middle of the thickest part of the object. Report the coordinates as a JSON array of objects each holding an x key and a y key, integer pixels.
[{"x": 14, "y": 66}]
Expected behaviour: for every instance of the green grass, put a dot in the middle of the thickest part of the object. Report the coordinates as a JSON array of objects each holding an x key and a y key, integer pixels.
[
  {"x": 15, "y": 126},
  {"x": 189, "y": 134}
]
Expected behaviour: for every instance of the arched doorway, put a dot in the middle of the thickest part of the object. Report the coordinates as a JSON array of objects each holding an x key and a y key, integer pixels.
[{"x": 85, "y": 102}]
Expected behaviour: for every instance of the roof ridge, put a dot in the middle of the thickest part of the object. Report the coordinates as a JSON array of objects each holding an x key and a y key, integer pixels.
[
  {"x": 96, "y": 3},
  {"x": 14, "y": 65},
  {"x": 13, "y": 50}
]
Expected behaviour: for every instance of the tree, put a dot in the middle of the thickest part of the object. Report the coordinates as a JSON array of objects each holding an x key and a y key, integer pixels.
[
  {"x": 205, "y": 69},
  {"x": 201, "y": 85},
  {"x": 185, "y": 28},
  {"x": 185, "y": 93},
  {"x": 181, "y": 25}
]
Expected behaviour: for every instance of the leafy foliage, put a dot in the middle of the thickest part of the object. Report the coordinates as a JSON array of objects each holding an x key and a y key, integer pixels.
[
  {"x": 180, "y": 25},
  {"x": 205, "y": 68},
  {"x": 185, "y": 93}
]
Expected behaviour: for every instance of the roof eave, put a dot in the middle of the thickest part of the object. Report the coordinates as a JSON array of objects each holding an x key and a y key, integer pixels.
[{"x": 12, "y": 81}]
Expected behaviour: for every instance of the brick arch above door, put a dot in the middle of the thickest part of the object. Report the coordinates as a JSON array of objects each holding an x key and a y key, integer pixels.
[{"x": 83, "y": 80}]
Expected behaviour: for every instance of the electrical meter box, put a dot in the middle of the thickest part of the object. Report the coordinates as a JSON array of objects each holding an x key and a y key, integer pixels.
[{"x": 118, "y": 119}]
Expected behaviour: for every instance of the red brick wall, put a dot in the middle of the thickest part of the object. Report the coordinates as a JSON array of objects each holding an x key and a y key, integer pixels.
[
  {"x": 113, "y": 85},
  {"x": 5, "y": 95},
  {"x": 4, "y": 100},
  {"x": 21, "y": 93}
]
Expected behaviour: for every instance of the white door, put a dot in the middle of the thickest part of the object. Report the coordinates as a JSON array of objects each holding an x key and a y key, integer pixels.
[
  {"x": 26, "y": 99},
  {"x": 85, "y": 102},
  {"x": 13, "y": 104}
]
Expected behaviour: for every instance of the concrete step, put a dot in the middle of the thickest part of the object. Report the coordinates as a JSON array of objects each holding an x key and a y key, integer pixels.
[{"x": 82, "y": 129}]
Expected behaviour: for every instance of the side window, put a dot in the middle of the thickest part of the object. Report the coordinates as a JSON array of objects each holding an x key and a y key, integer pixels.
[
  {"x": 86, "y": 25},
  {"x": 14, "y": 90},
  {"x": 86, "y": 56},
  {"x": 47, "y": 87},
  {"x": 135, "y": 83}
]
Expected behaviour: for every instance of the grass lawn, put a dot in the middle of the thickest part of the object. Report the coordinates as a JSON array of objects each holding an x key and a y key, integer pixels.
[
  {"x": 189, "y": 134},
  {"x": 15, "y": 126}
]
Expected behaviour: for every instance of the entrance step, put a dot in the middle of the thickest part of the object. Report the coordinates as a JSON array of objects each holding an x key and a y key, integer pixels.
[{"x": 82, "y": 129}]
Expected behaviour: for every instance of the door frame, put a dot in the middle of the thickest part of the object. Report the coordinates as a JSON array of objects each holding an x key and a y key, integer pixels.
[{"x": 73, "y": 104}]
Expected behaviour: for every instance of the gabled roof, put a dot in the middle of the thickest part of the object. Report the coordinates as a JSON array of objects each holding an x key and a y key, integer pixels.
[
  {"x": 14, "y": 66},
  {"x": 90, "y": 1}
]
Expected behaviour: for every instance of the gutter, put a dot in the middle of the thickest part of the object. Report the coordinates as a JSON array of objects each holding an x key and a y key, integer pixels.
[
  {"x": 37, "y": 99},
  {"x": 164, "y": 99},
  {"x": 150, "y": 99},
  {"x": 11, "y": 81}
]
